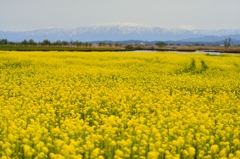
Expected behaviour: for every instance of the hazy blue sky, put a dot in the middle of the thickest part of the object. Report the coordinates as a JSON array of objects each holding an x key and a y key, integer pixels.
[{"x": 19, "y": 15}]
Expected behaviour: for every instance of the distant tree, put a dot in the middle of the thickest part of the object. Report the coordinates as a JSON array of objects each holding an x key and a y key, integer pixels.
[
  {"x": 77, "y": 43},
  {"x": 64, "y": 43},
  {"x": 227, "y": 42},
  {"x": 11, "y": 43},
  {"x": 116, "y": 45},
  {"x": 57, "y": 43},
  {"x": 161, "y": 44},
  {"x": 100, "y": 44},
  {"x": 4, "y": 42},
  {"x": 140, "y": 47},
  {"x": 86, "y": 44},
  {"x": 104, "y": 44},
  {"x": 90, "y": 45},
  {"x": 31, "y": 42},
  {"x": 129, "y": 47},
  {"x": 24, "y": 42},
  {"x": 46, "y": 42},
  {"x": 80, "y": 43}
]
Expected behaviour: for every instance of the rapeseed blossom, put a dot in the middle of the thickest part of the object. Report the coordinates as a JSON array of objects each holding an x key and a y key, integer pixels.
[{"x": 109, "y": 105}]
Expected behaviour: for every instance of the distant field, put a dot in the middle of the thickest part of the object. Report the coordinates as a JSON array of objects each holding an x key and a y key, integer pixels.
[
  {"x": 232, "y": 49},
  {"x": 119, "y": 105}
]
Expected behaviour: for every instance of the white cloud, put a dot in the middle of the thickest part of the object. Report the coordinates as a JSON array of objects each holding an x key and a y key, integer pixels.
[
  {"x": 119, "y": 24},
  {"x": 189, "y": 27}
]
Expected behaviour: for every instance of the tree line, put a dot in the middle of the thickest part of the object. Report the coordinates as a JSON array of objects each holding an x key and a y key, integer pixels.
[{"x": 57, "y": 43}]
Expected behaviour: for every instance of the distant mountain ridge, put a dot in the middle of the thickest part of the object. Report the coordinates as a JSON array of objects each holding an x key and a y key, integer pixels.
[
  {"x": 119, "y": 32},
  {"x": 211, "y": 38}
]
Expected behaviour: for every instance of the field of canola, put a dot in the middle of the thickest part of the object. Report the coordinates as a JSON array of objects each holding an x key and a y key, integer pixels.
[{"x": 119, "y": 105}]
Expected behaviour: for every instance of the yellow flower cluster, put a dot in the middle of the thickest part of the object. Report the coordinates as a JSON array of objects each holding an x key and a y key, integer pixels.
[{"x": 60, "y": 105}]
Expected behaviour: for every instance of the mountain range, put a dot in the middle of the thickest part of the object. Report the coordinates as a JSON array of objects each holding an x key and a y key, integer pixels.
[{"x": 123, "y": 32}]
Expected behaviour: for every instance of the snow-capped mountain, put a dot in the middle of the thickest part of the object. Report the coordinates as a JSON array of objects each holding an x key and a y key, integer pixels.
[
  {"x": 222, "y": 32},
  {"x": 116, "y": 32}
]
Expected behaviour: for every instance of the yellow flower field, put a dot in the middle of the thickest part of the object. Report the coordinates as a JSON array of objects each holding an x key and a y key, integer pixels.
[{"x": 119, "y": 105}]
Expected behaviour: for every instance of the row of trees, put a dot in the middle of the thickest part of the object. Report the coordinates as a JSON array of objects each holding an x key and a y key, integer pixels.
[
  {"x": 45, "y": 43},
  {"x": 57, "y": 43},
  {"x": 227, "y": 42}
]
